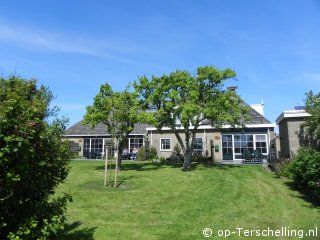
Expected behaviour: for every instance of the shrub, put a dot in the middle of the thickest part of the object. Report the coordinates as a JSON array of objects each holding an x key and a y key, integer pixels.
[
  {"x": 153, "y": 154},
  {"x": 141, "y": 154},
  {"x": 281, "y": 167},
  {"x": 162, "y": 159},
  {"x": 177, "y": 151},
  {"x": 305, "y": 169},
  {"x": 33, "y": 162},
  {"x": 201, "y": 159}
]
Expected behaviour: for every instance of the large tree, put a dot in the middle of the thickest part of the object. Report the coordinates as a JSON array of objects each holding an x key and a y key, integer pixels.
[
  {"x": 118, "y": 110},
  {"x": 190, "y": 100},
  {"x": 313, "y": 122},
  {"x": 33, "y": 161}
]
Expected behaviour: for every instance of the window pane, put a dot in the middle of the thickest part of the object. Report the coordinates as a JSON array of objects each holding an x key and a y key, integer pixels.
[
  {"x": 198, "y": 145},
  {"x": 236, "y": 137},
  {"x": 243, "y": 138},
  {"x": 260, "y": 138},
  {"x": 166, "y": 144}
]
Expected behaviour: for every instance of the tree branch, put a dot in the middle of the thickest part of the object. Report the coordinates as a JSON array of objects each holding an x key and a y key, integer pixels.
[{"x": 2, "y": 199}]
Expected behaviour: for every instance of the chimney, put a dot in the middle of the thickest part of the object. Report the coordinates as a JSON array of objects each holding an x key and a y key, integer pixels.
[
  {"x": 258, "y": 107},
  {"x": 232, "y": 88}
]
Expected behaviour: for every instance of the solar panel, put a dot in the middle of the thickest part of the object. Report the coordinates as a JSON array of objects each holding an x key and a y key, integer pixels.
[{"x": 299, "y": 107}]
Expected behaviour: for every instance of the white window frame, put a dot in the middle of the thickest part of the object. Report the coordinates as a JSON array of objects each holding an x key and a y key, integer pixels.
[
  {"x": 254, "y": 143},
  {"x": 266, "y": 140},
  {"x": 165, "y": 150}
]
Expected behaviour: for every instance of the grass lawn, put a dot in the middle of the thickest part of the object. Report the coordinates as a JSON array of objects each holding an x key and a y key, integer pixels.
[{"x": 162, "y": 202}]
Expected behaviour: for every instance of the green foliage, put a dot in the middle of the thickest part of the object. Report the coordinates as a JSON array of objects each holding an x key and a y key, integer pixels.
[
  {"x": 33, "y": 161},
  {"x": 190, "y": 100},
  {"x": 305, "y": 169},
  {"x": 177, "y": 151},
  {"x": 313, "y": 122},
  {"x": 141, "y": 154},
  {"x": 281, "y": 167},
  {"x": 118, "y": 110},
  {"x": 153, "y": 154},
  {"x": 201, "y": 159}
]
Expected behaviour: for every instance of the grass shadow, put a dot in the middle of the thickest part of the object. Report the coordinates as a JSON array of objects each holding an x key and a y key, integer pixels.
[
  {"x": 203, "y": 166},
  {"x": 306, "y": 195},
  {"x": 71, "y": 232},
  {"x": 136, "y": 166}
]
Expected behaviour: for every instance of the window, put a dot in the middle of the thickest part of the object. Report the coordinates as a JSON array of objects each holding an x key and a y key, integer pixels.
[
  {"x": 242, "y": 142},
  {"x": 86, "y": 145},
  {"x": 261, "y": 143},
  {"x": 198, "y": 144},
  {"x": 136, "y": 143},
  {"x": 233, "y": 145},
  {"x": 93, "y": 147},
  {"x": 165, "y": 144},
  {"x": 96, "y": 145}
]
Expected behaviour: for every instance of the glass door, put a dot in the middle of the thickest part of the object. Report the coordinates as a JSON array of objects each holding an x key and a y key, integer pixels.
[{"x": 227, "y": 147}]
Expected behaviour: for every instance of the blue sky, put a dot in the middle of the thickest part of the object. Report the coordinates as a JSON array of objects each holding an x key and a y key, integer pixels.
[{"x": 74, "y": 46}]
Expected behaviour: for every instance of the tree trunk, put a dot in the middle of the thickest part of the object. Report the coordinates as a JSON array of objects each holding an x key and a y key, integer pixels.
[
  {"x": 119, "y": 158},
  {"x": 187, "y": 160},
  {"x": 189, "y": 150}
]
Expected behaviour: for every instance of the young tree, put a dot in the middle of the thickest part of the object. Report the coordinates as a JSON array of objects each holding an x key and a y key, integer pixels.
[
  {"x": 189, "y": 99},
  {"x": 33, "y": 161},
  {"x": 118, "y": 110}
]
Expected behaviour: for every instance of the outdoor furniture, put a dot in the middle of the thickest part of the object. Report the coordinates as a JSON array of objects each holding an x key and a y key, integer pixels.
[
  {"x": 246, "y": 155},
  {"x": 98, "y": 155},
  {"x": 257, "y": 156}
]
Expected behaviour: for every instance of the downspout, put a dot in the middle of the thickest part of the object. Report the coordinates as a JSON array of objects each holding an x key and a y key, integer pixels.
[{"x": 269, "y": 142}]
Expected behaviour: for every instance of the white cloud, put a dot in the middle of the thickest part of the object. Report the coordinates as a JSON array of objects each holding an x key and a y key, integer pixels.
[
  {"x": 28, "y": 37},
  {"x": 313, "y": 76}
]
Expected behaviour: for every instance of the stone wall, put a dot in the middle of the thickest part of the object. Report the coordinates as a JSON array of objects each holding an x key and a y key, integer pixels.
[{"x": 289, "y": 136}]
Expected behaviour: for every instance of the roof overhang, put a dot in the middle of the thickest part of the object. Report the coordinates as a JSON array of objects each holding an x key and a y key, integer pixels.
[
  {"x": 292, "y": 114},
  {"x": 262, "y": 125},
  {"x": 97, "y": 135}
]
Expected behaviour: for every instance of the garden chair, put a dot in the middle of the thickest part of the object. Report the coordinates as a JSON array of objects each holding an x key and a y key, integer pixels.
[
  {"x": 246, "y": 155},
  {"x": 257, "y": 156}
]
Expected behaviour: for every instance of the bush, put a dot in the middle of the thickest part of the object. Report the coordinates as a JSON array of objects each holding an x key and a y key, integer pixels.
[
  {"x": 305, "y": 169},
  {"x": 141, "y": 154},
  {"x": 162, "y": 159},
  {"x": 153, "y": 154},
  {"x": 201, "y": 159},
  {"x": 177, "y": 151},
  {"x": 33, "y": 162},
  {"x": 281, "y": 167}
]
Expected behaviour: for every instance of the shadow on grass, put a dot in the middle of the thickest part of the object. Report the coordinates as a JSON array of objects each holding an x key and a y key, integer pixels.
[
  {"x": 136, "y": 166},
  {"x": 149, "y": 166},
  {"x": 203, "y": 166},
  {"x": 71, "y": 232},
  {"x": 304, "y": 194}
]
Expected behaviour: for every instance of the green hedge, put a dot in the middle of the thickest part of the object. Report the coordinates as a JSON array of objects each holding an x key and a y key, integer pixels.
[{"x": 305, "y": 169}]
